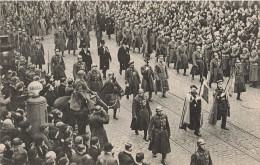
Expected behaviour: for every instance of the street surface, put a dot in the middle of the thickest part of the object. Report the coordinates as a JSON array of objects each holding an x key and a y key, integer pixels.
[{"x": 238, "y": 146}]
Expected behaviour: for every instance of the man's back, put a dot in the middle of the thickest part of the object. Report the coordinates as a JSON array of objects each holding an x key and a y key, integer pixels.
[
  {"x": 125, "y": 158},
  {"x": 109, "y": 158}
]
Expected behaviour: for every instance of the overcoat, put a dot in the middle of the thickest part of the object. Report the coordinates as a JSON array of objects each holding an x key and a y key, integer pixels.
[
  {"x": 148, "y": 78},
  {"x": 105, "y": 57},
  {"x": 216, "y": 72},
  {"x": 182, "y": 57},
  {"x": 58, "y": 68},
  {"x": 37, "y": 54},
  {"x": 161, "y": 76},
  {"x": 123, "y": 57},
  {"x": 72, "y": 40},
  {"x": 60, "y": 41},
  {"x": 94, "y": 80},
  {"x": 253, "y": 71},
  {"x": 239, "y": 85},
  {"x": 132, "y": 80}
]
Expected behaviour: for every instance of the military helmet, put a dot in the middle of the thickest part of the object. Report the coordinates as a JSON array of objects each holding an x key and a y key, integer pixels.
[{"x": 200, "y": 142}]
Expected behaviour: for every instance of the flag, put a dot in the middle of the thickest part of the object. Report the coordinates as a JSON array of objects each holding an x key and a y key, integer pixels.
[{"x": 205, "y": 92}]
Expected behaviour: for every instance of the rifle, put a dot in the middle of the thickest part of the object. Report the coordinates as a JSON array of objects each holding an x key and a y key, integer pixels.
[{"x": 48, "y": 63}]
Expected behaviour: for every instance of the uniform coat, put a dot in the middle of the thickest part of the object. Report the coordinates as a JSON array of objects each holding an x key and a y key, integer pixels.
[
  {"x": 77, "y": 67},
  {"x": 132, "y": 80},
  {"x": 216, "y": 72},
  {"x": 94, "y": 80},
  {"x": 159, "y": 132},
  {"x": 171, "y": 52},
  {"x": 84, "y": 38},
  {"x": 123, "y": 57},
  {"x": 96, "y": 122},
  {"x": 60, "y": 41},
  {"x": 198, "y": 65},
  {"x": 253, "y": 72},
  {"x": 37, "y": 57},
  {"x": 141, "y": 111},
  {"x": 161, "y": 77},
  {"x": 58, "y": 67},
  {"x": 42, "y": 27},
  {"x": 72, "y": 40},
  {"x": 239, "y": 85},
  {"x": 182, "y": 57},
  {"x": 105, "y": 57},
  {"x": 148, "y": 77},
  {"x": 110, "y": 26},
  {"x": 86, "y": 57},
  {"x": 118, "y": 32},
  {"x": 201, "y": 158}
]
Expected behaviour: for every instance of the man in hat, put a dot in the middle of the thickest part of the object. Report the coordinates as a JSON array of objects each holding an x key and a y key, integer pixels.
[
  {"x": 191, "y": 114},
  {"x": 161, "y": 76},
  {"x": 201, "y": 155},
  {"x": 84, "y": 38},
  {"x": 118, "y": 31},
  {"x": 244, "y": 56},
  {"x": 159, "y": 134},
  {"x": 60, "y": 41},
  {"x": 18, "y": 38},
  {"x": 126, "y": 157},
  {"x": 107, "y": 155},
  {"x": 216, "y": 72},
  {"x": 58, "y": 66},
  {"x": 42, "y": 27},
  {"x": 221, "y": 107},
  {"x": 123, "y": 57},
  {"x": 137, "y": 41},
  {"x": 148, "y": 78},
  {"x": 94, "y": 79},
  {"x": 61, "y": 87},
  {"x": 110, "y": 26},
  {"x": 171, "y": 51},
  {"x": 37, "y": 57},
  {"x": 132, "y": 80},
  {"x": 160, "y": 43},
  {"x": 127, "y": 34},
  {"x": 86, "y": 57},
  {"x": 26, "y": 134},
  {"x": 225, "y": 59},
  {"x": 79, "y": 65},
  {"x": 44, "y": 134},
  {"x": 198, "y": 65},
  {"x": 141, "y": 113},
  {"x": 97, "y": 119},
  {"x": 182, "y": 57},
  {"x": 105, "y": 58},
  {"x": 72, "y": 38}
]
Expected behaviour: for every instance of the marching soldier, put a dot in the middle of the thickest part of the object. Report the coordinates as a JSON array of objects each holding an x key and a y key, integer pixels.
[
  {"x": 148, "y": 78},
  {"x": 191, "y": 115},
  {"x": 202, "y": 155},
  {"x": 225, "y": 59},
  {"x": 182, "y": 58},
  {"x": 159, "y": 134},
  {"x": 132, "y": 80},
  {"x": 25, "y": 45},
  {"x": 84, "y": 38},
  {"x": 86, "y": 56},
  {"x": 239, "y": 85},
  {"x": 110, "y": 26},
  {"x": 171, "y": 53},
  {"x": 244, "y": 56},
  {"x": 220, "y": 108},
  {"x": 118, "y": 31},
  {"x": 60, "y": 41},
  {"x": 137, "y": 42},
  {"x": 215, "y": 70},
  {"x": 253, "y": 71},
  {"x": 198, "y": 65},
  {"x": 161, "y": 76},
  {"x": 141, "y": 113},
  {"x": 58, "y": 66},
  {"x": 72, "y": 38},
  {"x": 79, "y": 65},
  {"x": 37, "y": 57},
  {"x": 94, "y": 79},
  {"x": 127, "y": 36}
]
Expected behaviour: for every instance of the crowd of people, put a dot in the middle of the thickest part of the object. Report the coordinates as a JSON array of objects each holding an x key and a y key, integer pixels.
[{"x": 218, "y": 39}]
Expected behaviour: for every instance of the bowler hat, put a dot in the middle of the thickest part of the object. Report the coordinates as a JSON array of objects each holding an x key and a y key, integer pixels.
[{"x": 108, "y": 147}]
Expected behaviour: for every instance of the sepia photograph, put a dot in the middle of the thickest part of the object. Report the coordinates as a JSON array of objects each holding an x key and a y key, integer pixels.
[{"x": 129, "y": 82}]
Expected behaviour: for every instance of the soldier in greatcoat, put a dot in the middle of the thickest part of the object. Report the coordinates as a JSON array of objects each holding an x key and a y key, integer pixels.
[
  {"x": 42, "y": 27},
  {"x": 198, "y": 65},
  {"x": 141, "y": 114},
  {"x": 79, "y": 65},
  {"x": 244, "y": 56},
  {"x": 239, "y": 83},
  {"x": 253, "y": 71},
  {"x": 202, "y": 155},
  {"x": 215, "y": 70},
  {"x": 94, "y": 79},
  {"x": 221, "y": 107},
  {"x": 171, "y": 51},
  {"x": 72, "y": 39},
  {"x": 159, "y": 134},
  {"x": 110, "y": 26},
  {"x": 37, "y": 57},
  {"x": 97, "y": 119},
  {"x": 118, "y": 31},
  {"x": 58, "y": 66},
  {"x": 137, "y": 41},
  {"x": 148, "y": 78},
  {"x": 191, "y": 47},
  {"x": 127, "y": 34},
  {"x": 60, "y": 41},
  {"x": 182, "y": 58},
  {"x": 132, "y": 80},
  {"x": 84, "y": 37},
  {"x": 25, "y": 45},
  {"x": 86, "y": 57},
  {"x": 226, "y": 51},
  {"x": 105, "y": 58},
  {"x": 161, "y": 77}
]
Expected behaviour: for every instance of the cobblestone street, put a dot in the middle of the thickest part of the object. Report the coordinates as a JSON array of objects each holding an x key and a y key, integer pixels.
[{"x": 238, "y": 146}]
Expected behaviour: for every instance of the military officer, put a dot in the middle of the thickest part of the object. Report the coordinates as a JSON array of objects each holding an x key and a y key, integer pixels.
[
  {"x": 60, "y": 40},
  {"x": 216, "y": 72},
  {"x": 148, "y": 78},
  {"x": 58, "y": 66},
  {"x": 25, "y": 45},
  {"x": 141, "y": 113},
  {"x": 198, "y": 65},
  {"x": 202, "y": 155},
  {"x": 159, "y": 134},
  {"x": 84, "y": 38},
  {"x": 79, "y": 65},
  {"x": 182, "y": 58},
  {"x": 132, "y": 80},
  {"x": 37, "y": 57},
  {"x": 94, "y": 79}
]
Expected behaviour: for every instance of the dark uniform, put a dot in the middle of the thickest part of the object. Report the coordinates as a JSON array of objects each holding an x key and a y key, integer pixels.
[
  {"x": 26, "y": 46},
  {"x": 77, "y": 67},
  {"x": 132, "y": 80},
  {"x": 123, "y": 58},
  {"x": 37, "y": 57},
  {"x": 201, "y": 158},
  {"x": 58, "y": 67},
  {"x": 148, "y": 78},
  {"x": 105, "y": 58},
  {"x": 141, "y": 113},
  {"x": 94, "y": 80},
  {"x": 198, "y": 65},
  {"x": 84, "y": 39}
]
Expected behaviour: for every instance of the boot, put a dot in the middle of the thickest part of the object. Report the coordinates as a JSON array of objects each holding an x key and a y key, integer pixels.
[{"x": 136, "y": 132}]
